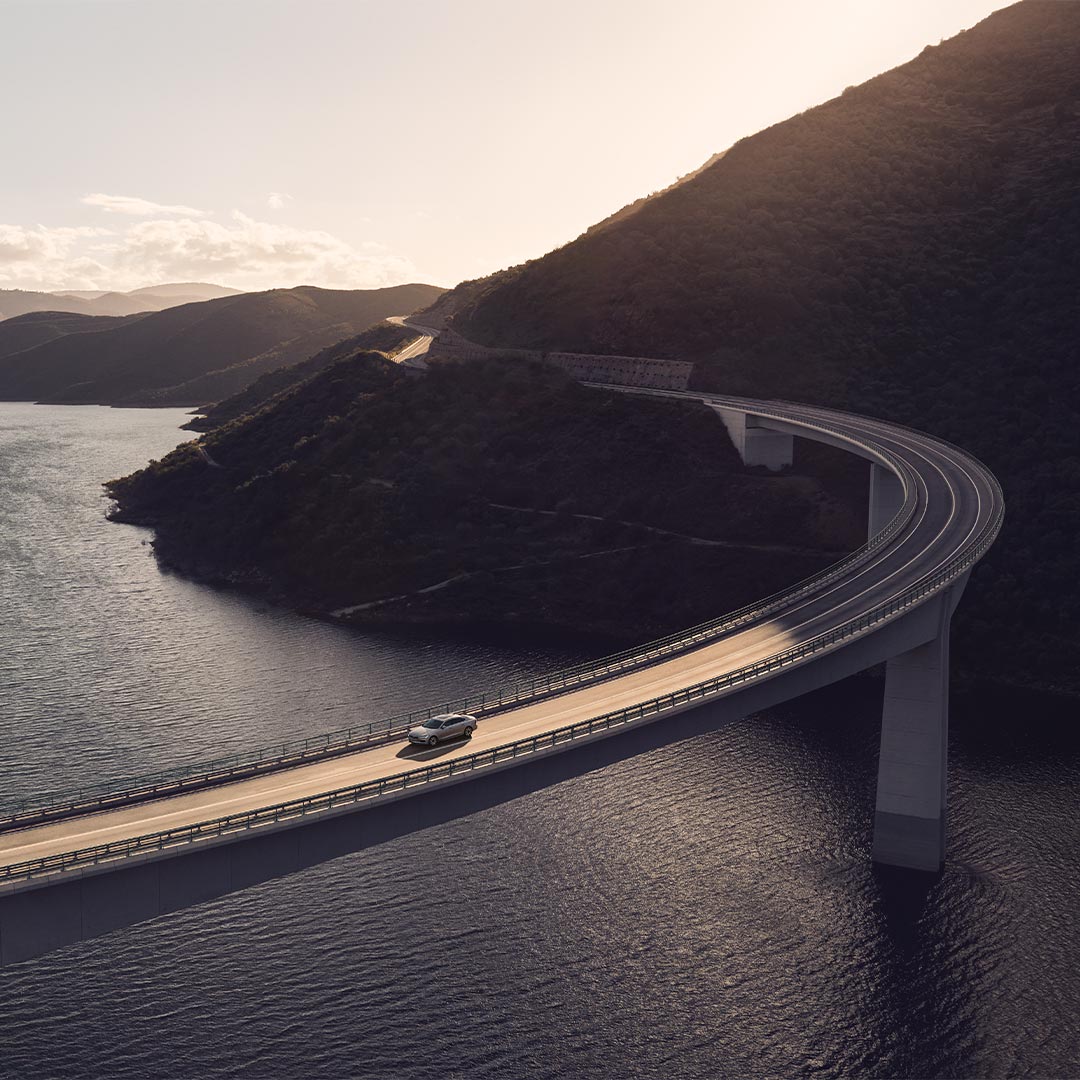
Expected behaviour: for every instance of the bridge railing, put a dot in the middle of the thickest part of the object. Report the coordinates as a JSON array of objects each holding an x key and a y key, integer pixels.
[
  {"x": 19, "y": 813},
  {"x": 914, "y": 594},
  {"x": 288, "y": 753}
]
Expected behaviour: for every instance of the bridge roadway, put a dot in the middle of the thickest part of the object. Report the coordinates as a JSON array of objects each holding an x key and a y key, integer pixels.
[{"x": 952, "y": 513}]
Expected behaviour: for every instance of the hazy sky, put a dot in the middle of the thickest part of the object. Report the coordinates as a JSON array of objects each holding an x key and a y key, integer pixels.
[{"x": 354, "y": 143}]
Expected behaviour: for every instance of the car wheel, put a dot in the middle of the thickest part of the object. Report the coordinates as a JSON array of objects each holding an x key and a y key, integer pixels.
[
  {"x": 432, "y": 741},
  {"x": 468, "y": 733}
]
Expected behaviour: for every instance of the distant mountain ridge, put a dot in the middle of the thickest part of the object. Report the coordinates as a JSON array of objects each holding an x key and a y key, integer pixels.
[
  {"x": 186, "y": 291},
  {"x": 191, "y": 354},
  {"x": 15, "y": 302},
  {"x": 38, "y": 327}
]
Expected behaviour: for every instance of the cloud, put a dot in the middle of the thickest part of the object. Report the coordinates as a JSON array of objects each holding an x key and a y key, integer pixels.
[
  {"x": 135, "y": 207},
  {"x": 44, "y": 258},
  {"x": 257, "y": 254},
  {"x": 276, "y": 200},
  {"x": 242, "y": 252}
]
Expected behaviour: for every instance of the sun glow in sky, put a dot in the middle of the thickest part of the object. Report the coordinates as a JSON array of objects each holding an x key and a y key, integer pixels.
[{"x": 359, "y": 143}]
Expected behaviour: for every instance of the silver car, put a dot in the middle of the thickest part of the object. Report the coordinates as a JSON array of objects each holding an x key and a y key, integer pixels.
[{"x": 440, "y": 728}]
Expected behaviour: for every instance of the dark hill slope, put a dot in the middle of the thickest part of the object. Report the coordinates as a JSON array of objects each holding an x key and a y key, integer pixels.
[
  {"x": 910, "y": 249},
  {"x": 169, "y": 348},
  {"x": 384, "y": 337},
  {"x": 27, "y": 331},
  {"x": 829, "y": 245},
  {"x": 364, "y": 484},
  {"x": 221, "y": 383}
]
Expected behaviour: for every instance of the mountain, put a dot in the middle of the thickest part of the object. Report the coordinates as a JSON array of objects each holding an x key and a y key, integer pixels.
[
  {"x": 537, "y": 501},
  {"x": 185, "y": 292},
  {"x": 15, "y": 302},
  {"x": 37, "y": 327},
  {"x": 160, "y": 357},
  {"x": 909, "y": 249},
  {"x": 386, "y": 338}
]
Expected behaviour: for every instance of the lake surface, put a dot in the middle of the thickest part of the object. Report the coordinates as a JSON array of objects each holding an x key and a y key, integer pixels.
[{"x": 705, "y": 910}]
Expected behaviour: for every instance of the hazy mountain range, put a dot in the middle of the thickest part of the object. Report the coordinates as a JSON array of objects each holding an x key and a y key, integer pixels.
[
  {"x": 15, "y": 302},
  {"x": 190, "y": 354}
]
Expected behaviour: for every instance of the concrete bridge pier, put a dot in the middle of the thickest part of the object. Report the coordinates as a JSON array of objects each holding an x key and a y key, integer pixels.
[
  {"x": 912, "y": 798},
  {"x": 886, "y": 498},
  {"x": 757, "y": 445}
]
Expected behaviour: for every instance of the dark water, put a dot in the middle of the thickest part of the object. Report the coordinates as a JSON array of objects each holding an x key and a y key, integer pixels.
[{"x": 706, "y": 910}]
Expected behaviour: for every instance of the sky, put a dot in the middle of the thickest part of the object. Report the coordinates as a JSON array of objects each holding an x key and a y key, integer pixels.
[{"x": 363, "y": 143}]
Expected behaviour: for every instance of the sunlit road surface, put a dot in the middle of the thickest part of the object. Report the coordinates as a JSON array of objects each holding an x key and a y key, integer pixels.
[
  {"x": 953, "y": 503},
  {"x": 413, "y": 354}
]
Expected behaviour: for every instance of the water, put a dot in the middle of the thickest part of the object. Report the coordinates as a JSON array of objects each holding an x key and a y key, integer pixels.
[{"x": 706, "y": 910}]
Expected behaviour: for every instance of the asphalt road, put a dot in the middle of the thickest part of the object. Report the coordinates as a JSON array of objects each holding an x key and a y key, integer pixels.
[
  {"x": 955, "y": 502},
  {"x": 413, "y": 354}
]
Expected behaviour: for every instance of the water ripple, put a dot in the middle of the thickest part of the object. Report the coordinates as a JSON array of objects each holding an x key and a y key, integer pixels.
[{"x": 706, "y": 910}]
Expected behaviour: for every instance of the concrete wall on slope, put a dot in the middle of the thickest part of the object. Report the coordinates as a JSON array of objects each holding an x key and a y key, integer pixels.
[{"x": 586, "y": 367}]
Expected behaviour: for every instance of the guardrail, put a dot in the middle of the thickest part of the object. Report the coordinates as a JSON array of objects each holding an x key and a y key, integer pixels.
[
  {"x": 372, "y": 789},
  {"x": 289, "y": 753}
]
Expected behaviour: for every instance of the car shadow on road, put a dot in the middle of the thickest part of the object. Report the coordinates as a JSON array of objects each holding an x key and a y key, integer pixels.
[{"x": 430, "y": 753}]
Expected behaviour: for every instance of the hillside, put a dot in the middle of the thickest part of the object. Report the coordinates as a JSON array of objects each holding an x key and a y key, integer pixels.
[
  {"x": 910, "y": 249},
  {"x": 548, "y": 504},
  {"x": 36, "y": 328},
  {"x": 383, "y": 337},
  {"x": 225, "y": 382},
  {"x": 133, "y": 362}
]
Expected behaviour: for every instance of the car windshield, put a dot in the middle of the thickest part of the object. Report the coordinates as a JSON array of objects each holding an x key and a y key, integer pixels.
[{"x": 433, "y": 722}]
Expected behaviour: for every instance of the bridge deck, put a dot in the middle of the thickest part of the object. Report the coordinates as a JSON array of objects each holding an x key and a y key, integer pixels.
[{"x": 955, "y": 500}]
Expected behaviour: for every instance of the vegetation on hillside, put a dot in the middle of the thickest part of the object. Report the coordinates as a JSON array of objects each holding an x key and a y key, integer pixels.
[
  {"x": 27, "y": 331},
  {"x": 532, "y": 495},
  {"x": 385, "y": 337},
  {"x": 910, "y": 249}
]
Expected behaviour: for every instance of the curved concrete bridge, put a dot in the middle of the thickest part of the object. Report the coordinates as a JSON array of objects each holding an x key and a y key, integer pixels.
[{"x": 96, "y": 861}]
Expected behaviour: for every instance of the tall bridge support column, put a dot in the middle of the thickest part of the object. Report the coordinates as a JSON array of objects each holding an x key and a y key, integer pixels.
[
  {"x": 757, "y": 445},
  {"x": 910, "y": 816},
  {"x": 886, "y": 498}
]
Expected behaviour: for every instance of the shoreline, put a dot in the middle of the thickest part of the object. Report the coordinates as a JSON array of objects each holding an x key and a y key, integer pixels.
[{"x": 519, "y": 632}]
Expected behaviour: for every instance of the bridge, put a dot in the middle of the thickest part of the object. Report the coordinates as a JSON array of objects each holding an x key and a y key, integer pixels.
[{"x": 94, "y": 861}]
